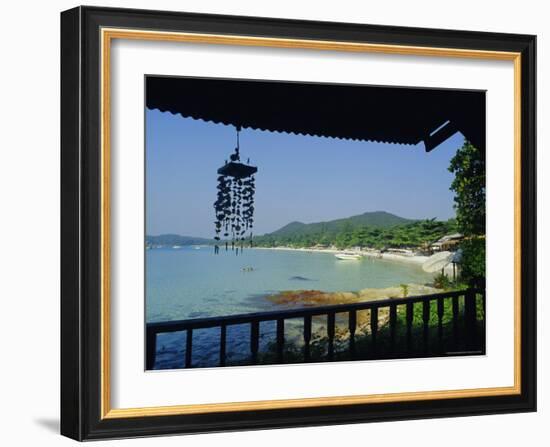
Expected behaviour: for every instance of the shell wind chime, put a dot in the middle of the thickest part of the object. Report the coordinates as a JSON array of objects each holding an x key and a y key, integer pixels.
[{"x": 234, "y": 206}]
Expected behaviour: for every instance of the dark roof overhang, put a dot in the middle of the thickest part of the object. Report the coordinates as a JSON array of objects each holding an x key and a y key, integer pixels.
[{"x": 401, "y": 115}]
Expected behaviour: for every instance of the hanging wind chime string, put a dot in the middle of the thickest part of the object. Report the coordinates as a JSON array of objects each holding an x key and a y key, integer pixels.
[{"x": 234, "y": 206}]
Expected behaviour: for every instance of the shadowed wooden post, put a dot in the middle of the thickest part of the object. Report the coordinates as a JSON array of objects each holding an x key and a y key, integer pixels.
[
  {"x": 410, "y": 315},
  {"x": 330, "y": 334},
  {"x": 280, "y": 339},
  {"x": 307, "y": 337},
  {"x": 484, "y": 305},
  {"x": 393, "y": 322},
  {"x": 254, "y": 340},
  {"x": 440, "y": 311},
  {"x": 426, "y": 321},
  {"x": 352, "y": 325},
  {"x": 188, "y": 348},
  {"x": 455, "y": 321},
  {"x": 470, "y": 318},
  {"x": 151, "y": 349},
  {"x": 374, "y": 327},
  {"x": 484, "y": 320},
  {"x": 223, "y": 335}
]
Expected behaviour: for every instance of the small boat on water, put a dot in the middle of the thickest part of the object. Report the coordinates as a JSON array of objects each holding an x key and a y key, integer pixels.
[
  {"x": 348, "y": 256},
  {"x": 176, "y": 247}
]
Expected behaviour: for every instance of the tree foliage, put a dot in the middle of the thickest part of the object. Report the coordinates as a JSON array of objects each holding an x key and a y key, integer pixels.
[
  {"x": 468, "y": 166},
  {"x": 473, "y": 258}
]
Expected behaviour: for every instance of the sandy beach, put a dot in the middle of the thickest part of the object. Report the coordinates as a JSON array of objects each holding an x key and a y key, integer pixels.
[{"x": 409, "y": 259}]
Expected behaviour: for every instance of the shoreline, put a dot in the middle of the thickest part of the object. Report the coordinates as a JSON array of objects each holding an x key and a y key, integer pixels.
[
  {"x": 417, "y": 260},
  {"x": 414, "y": 259}
]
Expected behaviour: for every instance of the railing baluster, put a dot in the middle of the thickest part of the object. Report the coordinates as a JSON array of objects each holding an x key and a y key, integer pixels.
[
  {"x": 307, "y": 337},
  {"x": 223, "y": 336},
  {"x": 280, "y": 339},
  {"x": 330, "y": 334},
  {"x": 410, "y": 316},
  {"x": 254, "y": 340},
  {"x": 455, "y": 322},
  {"x": 426, "y": 321},
  {"x": 393, "y": 323},
  {"x": 440, "y": 312},
  {"x": 352, "y": 325},
  {"x": 484, "y": 305},
  {"x": 188, "y": 348},
  {"x": 470, "y": 318},
  {"x": 484, "y": 320},
  {"x": 374, "y": 327},
  {"x": 151, "y": 349}
]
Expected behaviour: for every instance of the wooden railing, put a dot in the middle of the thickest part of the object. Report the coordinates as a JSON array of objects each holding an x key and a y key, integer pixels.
[{"x": 469, "y": 334}]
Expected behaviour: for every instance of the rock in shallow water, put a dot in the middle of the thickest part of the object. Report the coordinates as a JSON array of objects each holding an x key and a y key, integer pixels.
[
  {"x": 301, "y": 278},
  {"x": 318, "y": 297}
]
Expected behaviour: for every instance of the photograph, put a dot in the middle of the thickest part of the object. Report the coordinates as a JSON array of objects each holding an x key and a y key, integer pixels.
[
  {"x": 291, "y": 220},
  {"x": 295, "y": 222}
]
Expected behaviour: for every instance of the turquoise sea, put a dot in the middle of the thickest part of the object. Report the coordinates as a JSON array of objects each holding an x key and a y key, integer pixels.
[{"x": 192, "y": 282}]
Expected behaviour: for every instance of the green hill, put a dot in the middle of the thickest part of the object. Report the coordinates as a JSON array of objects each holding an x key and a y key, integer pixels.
[
  {"x": 377, "y": 229},
  {"x": 175, "y": 239},
  {"x": 379, "y": 219}
]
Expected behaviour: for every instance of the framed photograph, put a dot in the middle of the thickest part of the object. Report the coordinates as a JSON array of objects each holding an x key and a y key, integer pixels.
[{"x": 275, "y": 223}]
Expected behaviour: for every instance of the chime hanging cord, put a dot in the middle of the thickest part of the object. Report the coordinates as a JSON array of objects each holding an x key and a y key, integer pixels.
[{"x": 238, "y": 146}]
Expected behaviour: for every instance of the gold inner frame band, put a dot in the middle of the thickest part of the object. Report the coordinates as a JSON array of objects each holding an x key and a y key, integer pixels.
[{"x": 107, "y": 35}]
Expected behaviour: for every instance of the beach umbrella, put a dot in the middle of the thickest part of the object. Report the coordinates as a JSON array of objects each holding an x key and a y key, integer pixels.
[
  {"x": 437, "y": 262},
  {"x": 234, "y": 206}
]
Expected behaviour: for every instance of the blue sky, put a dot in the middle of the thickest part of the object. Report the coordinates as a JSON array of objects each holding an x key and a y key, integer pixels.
[{"x": 303, "y": 178}]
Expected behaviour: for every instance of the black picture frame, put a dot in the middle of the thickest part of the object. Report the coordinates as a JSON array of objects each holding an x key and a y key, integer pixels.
[{"x": 81, "y": 208}]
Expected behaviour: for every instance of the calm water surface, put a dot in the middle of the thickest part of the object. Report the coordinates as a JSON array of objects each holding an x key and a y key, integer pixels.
[{"x": 193, "y": 283}]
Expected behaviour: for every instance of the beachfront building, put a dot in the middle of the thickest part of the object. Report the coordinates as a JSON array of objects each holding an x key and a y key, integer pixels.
[
  {"x": 320, "y": 247},
  {"x": 401, "y": 251},
  {"x": 447, "y": 243}
]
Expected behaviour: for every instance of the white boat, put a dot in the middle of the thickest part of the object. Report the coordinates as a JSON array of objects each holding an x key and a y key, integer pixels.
[
  {"x": 348, "y": 256},
  {"x": 176, "y": 247}
]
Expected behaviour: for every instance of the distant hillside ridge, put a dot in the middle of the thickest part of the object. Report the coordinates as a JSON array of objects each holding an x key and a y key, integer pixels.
[
  {"x": 378, "y": 229},
  {"x": 176, "y": 239},
  {"x": 378, "y": 219}
]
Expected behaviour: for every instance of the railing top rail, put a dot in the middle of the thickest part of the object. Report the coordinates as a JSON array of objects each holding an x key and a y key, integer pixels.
[{"x": 226, "y": 320}]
